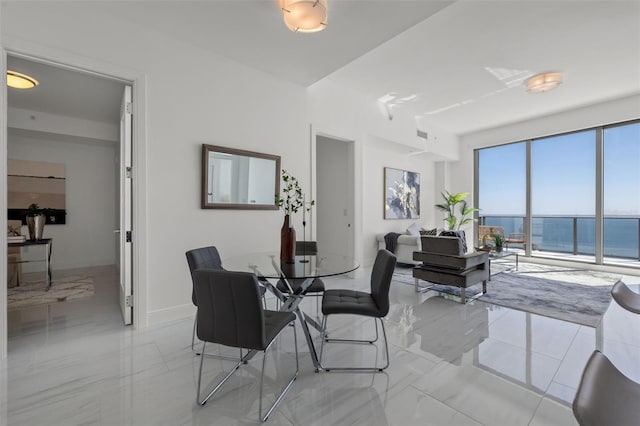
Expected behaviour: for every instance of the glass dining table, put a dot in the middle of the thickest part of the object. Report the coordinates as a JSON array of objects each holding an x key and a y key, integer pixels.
[{"x": 268, "y": 266}]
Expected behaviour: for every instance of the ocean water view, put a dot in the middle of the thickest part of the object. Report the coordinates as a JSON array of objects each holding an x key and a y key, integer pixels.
[{"x": 576, "y": 234}]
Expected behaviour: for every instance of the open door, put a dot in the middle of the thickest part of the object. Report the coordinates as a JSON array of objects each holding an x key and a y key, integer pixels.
[{"x": 126, "y": 294}]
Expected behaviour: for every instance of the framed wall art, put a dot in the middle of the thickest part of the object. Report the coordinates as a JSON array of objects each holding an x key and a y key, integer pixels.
[
  {"x": 36, "y": 182},
  {"x": 401, "y": 194}
]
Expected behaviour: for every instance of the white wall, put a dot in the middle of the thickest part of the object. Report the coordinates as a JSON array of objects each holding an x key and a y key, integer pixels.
[
  {"x": 377, "y": 156},
  {"x": 222, "y": 103},
  {"x": 379, "y": 142},
  {"x": 87, "y": 239}
]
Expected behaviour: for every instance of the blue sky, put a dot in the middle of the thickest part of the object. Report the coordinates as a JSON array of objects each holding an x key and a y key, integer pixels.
[{"x": 563, "y": 175}]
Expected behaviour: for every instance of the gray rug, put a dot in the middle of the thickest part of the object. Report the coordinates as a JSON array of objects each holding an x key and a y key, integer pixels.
[
  {"x": 529, "y": 292},
  {"x": 62, "y": 289}
]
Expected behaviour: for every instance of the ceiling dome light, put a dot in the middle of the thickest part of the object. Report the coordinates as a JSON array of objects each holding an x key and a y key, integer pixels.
[
  {"x": 20, "y": 81},
  {"x": 544, "y": 82},
  {"x": 304, "y": 16}
]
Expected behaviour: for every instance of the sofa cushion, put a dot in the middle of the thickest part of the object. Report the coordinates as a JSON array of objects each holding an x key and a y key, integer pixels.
[
  {"x": 404, "y": 239},
  {"x": 413, "y": 230}
]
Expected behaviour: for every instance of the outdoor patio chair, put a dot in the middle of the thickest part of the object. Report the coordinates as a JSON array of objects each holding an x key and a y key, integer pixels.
[{"x": 515, "y": 238}]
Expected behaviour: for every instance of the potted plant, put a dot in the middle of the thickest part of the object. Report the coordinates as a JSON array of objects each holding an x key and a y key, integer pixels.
[
  {"x": 290, "y": 201},
  {"x": 458, "y": 213},
  {"x": 35, "y": 221},
  {"x": 449, "y": 207},
  {"x": 499, "y": 242}
]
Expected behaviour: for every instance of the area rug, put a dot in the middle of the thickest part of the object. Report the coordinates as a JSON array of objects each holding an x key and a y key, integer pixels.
[
  {"x": 559, "y": 298},
  {"x": 62, "y": 289}
]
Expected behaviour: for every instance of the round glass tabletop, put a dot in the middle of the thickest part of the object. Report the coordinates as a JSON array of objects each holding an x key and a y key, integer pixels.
[{"x": 269, "y": 265}]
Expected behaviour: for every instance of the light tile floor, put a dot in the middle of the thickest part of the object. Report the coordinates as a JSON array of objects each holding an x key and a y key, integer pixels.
[{"x": 476, "y": 364}]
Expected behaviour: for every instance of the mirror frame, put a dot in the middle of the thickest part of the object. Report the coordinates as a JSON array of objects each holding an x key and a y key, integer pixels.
[{"x": 206, "y": 149}]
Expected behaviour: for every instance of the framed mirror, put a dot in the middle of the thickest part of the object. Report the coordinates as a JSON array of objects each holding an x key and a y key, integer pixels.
[{"x": 238, "y": 179}]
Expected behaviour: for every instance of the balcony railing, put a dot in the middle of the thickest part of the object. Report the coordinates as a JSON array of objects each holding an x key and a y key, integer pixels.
[{"x": 576, "y": 234}]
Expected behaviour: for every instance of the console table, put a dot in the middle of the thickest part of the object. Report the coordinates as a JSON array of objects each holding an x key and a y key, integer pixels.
[{"x": 47, "y": 243}]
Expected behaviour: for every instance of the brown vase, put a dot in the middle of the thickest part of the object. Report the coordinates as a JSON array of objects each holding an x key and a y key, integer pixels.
[{"x": 287, "y": 241}]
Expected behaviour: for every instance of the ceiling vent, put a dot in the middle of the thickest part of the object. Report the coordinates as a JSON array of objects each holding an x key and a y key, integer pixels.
[{"x": 423, "y": 135}]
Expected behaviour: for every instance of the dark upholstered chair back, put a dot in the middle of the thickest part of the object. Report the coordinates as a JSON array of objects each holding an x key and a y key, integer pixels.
[
  {"x": 626, "y": 297},
  {"x": 229, "y": 308},
  {"x": 203, "y": 258},
  {"x": 381, "y": 275},
  {"x": 605, "y": 395},
  {"x": 444, "y": 245},
  {"x": 306, "y": 248}
]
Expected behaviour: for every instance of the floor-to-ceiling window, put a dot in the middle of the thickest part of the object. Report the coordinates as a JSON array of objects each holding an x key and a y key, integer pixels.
[
  {"x": 621, "y": 191},
  {"x": 563, "y": 202},
  {"x": 575, "y": 195},
  {"x": 502, "y": 186}
]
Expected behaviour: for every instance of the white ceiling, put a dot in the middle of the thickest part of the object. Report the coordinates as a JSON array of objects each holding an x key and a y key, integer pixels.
[
  {"x": 65, "y": 92},
  {"x": 457, "y": 65}
]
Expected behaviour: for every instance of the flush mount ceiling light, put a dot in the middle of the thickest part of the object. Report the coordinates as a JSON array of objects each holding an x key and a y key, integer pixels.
[
  {"x": 304, "y": 16},
  {"x": 20, "y": 81},
  {"x": 544, "y": 82}
]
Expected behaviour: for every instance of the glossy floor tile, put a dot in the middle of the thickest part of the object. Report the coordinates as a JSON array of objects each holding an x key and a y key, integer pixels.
[{"x": 74, "y": 363}]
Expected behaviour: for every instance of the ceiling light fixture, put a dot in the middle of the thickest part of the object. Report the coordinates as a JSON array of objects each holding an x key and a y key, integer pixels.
[
  {"x": 20, "y": 81},
  {"x": 304, "y": 16},
  {"x": 544, "y": 82}
]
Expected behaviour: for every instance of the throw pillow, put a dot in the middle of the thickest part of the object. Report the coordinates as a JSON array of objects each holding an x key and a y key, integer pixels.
[
  {"x": 413, "y": 230},
  {"x": 433, "y": 231}
]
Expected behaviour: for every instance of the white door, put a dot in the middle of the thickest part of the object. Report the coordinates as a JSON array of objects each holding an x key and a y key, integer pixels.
[
  {"x": 126, "y": 294},
  {"x": 335, "y": 195}
]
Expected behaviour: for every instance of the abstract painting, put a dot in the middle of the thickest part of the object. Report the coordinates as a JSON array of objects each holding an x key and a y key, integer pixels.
[{"x": 401, "y": 194}]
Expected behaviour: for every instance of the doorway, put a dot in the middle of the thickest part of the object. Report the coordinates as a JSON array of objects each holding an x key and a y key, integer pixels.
[
  {"x": 73, "y": 118},
  {"x": 335, "y": 195}
]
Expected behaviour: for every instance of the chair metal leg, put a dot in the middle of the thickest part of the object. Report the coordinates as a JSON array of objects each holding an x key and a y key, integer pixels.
[
  {"x": 284, "y": 391},
  {"x": 286, "y": 388},
  {"x": 220, "y": 383},
  {"x": 193, "y": 336},
  {"x": 374, "y": 369},
  {"x": 419, "y": 289},
  {"x": 326, "y": 339}
]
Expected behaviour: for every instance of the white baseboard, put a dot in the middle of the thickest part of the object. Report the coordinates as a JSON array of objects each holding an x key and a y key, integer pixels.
[{"x": 171, "y": 314}]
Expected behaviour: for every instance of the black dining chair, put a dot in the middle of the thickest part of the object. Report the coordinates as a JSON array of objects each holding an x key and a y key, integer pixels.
[
  {"x": 316, "y": 289},
  {"x": 209, "y": 258},
  {"x": 605, "y": 395},
  {"x": 374, "y": 304},
  {"x": 626, "y": 297},
  {"x": 230, "y": 313}
]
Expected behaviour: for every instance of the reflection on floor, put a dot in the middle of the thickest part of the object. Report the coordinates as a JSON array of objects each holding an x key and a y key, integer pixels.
[{"x": 451, "y": 364}]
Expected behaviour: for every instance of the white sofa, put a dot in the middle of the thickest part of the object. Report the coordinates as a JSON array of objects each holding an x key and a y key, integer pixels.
[{"x": 405, "y": 247}]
